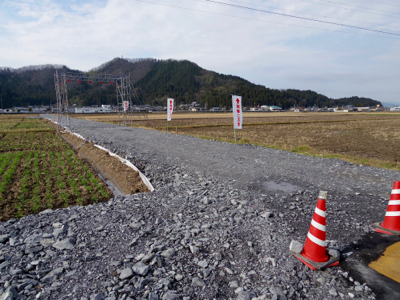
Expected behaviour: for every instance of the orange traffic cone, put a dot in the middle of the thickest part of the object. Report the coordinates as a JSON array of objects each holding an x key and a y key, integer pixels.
[
  {"x": 391, "y": 223},
  {"x": 314, "y": 254}
]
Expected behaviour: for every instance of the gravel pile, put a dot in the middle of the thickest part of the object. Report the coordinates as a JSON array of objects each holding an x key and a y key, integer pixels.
[{"x": 217, "y": 226}]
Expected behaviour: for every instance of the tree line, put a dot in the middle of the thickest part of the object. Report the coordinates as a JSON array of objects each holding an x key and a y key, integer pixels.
[{"x": 182, "y": 80}]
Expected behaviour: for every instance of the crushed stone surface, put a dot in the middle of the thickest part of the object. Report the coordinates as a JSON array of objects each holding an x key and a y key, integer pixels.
[{"x": 218, "y": 225}]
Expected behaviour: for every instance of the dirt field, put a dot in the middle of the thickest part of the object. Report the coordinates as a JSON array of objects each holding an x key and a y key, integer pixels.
[
  {"x": 205, "y": 119},
  {"x": 364, "y": 138}
]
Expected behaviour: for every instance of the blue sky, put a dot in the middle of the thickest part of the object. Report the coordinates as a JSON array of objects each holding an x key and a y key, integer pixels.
[{"x": 268, "y": 49}]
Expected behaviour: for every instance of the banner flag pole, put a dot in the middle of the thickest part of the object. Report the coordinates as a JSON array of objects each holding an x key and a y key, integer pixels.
[
  {"x": 170, "y": 109},
  {"x": 237, "y": 113}
]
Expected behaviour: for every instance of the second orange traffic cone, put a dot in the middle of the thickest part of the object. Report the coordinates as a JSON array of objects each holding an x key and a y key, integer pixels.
[
  {"x": 314, "y": 253},
  {"x": 391, "y": 223}
]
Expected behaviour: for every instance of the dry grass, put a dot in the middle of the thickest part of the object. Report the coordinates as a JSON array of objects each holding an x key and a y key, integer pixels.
[
  {"x": 370, "y": 142},
  {"x": 209, "y": 119}
]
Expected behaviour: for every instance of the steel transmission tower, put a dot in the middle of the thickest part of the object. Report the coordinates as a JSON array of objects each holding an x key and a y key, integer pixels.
[
  {"x": 126, "y": 95},
  {"x": 62, "y": 99}
]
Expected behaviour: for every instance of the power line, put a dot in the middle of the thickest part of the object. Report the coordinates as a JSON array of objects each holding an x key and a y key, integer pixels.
[
  {"x": 362, "y": 6},
  {"x": 349, "y": 20},
  {"x": 383, "y": 3},
  {"x": 253, "y": 19},
  {"x": 302, "y": 18},
  {"x": 351, "y": 8}
]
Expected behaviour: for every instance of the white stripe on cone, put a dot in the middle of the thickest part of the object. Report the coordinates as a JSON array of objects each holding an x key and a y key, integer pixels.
[
  {"x": 392, "y": 214},
  {"x": 318, "y": 225},
  {"x": 316, "y": 240},
  {"x": 394, "y": 202},
  {"x": 395, "y": 191},
  {"x": 320, "y": 212}
]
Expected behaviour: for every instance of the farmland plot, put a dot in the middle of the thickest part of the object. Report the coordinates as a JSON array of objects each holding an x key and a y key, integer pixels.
[
  {"x": 38, "y": 170},
  {"x": 363, "y": 138},
  {"x": 374, "y": 142}
]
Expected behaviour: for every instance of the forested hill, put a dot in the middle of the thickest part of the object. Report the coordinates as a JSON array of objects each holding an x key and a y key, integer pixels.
[{"x": 155, "y": 81}]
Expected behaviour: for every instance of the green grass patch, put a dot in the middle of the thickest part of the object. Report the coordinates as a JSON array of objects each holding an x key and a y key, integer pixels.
[{"x": 302, "y": 149}]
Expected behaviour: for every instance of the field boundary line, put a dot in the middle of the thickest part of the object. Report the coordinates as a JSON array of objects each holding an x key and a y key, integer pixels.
[
  {"x": 26, "y": 130},
  {"x": 15, "y": 125}
]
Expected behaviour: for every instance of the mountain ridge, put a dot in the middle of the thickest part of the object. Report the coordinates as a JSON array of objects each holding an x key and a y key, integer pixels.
[{"x": 154, "y": 81}]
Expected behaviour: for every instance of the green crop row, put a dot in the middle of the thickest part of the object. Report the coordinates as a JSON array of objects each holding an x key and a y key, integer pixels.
[
  {"x": 48, "y": 180},
  {"x": 59, "y": 180},
  {"x": 8, "y": 174},
  {"x": 30, "y": 140},
  {"x": 5, "y": 159},
  {"x": 31, "y": 125},
  {"x": 7, "y": 125},
  {"x": 36, "y": 179},
  {"x": 76, "y": 164},
  {"x": 22, "y": 198}
]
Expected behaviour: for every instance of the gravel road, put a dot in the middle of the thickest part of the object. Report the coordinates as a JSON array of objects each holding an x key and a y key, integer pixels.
[{"x": 217, "y": 226}]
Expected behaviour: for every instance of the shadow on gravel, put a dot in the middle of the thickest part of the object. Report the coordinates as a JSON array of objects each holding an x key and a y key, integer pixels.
[{"x": 365, "y": 251}]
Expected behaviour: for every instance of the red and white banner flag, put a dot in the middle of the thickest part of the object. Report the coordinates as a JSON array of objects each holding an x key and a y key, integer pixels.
[
  {"x": 170, "y": 108},
  {"x": 237, "y": 111},
  {"x": 126, "y": 105}
]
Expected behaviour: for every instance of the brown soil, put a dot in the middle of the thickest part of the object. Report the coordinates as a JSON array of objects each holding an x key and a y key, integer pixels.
[{"x": 125, "y": 178}]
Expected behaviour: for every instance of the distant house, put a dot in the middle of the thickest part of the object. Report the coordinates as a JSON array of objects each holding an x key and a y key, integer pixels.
[
  {"x": 93, "y": 110},
  {"x": 271, "y": 108},
  {"x": 363, "y": 108},
  {"x": 21, "y": 109},
  {"x": 215, "y": 109},
  {"x": 194, "y": 106},
  {"x": 340, "y": 110},
  {"x": 105, "y": 108},
  {"x": 86, "y": 110},
  {"x": 395, "y": 108}
]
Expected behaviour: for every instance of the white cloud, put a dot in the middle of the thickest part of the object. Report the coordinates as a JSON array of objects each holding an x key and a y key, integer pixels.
[{"x": 254, "y": 45}]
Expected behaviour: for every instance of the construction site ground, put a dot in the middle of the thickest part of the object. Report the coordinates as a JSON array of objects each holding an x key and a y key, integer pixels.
[{"x": 218, "y": 225}]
